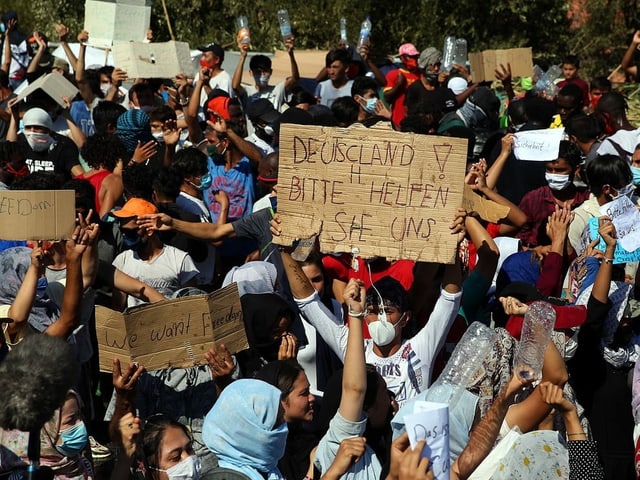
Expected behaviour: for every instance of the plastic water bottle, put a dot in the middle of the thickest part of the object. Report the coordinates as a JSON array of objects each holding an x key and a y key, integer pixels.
[
  {"x": 343, "y": 30},
  {"x": 473, "y": 347},
  {"x": 244, "y": 35},
  {"x": 285, "y": 24},
  {"x": 461, "y": 52},
  {"x": 448, "y": 53},
  {"x": 546, "y": 84},
  {"x": 365, "y": 32},
  {"x": 536, "y": 333}
]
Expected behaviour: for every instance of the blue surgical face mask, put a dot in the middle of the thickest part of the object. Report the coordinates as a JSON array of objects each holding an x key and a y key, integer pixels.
[
  {"x": 217, "y": 157},
  {"x": 636, "y": 175},
  {"x": 132, "y": 242},
  {"x": 74, "y": 439},
  {"x": 370, "y": 106},
  {"x": 626, "y": 191},
  {"x": 205, "y": 181}
]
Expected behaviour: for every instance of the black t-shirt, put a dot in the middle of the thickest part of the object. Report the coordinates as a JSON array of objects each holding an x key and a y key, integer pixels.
[
  {"x": 443, "y": 98},
  {"x": 60, "y": 157}
]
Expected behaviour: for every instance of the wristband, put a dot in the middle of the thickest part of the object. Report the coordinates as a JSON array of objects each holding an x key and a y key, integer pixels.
[
  {"x": 357, "y": 315},
  {"x": 607, "y": 260},
  {"x": 575, "y": 434}
]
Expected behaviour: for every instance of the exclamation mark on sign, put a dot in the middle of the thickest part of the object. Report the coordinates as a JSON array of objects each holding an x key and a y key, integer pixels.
[{"x": 442, "y": 153}]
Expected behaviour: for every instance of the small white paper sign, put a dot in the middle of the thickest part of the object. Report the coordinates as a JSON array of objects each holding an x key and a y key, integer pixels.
[
  {"x": 626, "y": 218},
  {"x": 430, "y": 422},
  {"x": 538, "y": 145}
]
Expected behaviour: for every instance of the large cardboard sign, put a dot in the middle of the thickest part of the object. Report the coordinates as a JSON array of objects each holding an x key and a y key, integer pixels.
[
  {"x": 153, "y": 60},
  {"x": 54, "y": 85},
  {"x": 483, "y": 64},
  {"x": 172, "y": 333},
  {"x": 115, "y": 21},
  {"x": 383, "y": 192},
  {"x": 37, "y": 214}
]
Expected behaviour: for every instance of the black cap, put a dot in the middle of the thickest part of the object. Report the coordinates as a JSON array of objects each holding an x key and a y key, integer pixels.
[
  {"x": 484, "y": 98},
  {"x": 297, "y": 116},
  {"x": 264, "y": 110},
  {"x": 216, "y": 49}
]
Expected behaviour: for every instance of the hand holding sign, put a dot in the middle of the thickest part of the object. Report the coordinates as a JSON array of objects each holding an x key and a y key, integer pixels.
[
  {"x": 407, "y": 462},
  {"x": 430, "y": 422},
  {"x": 538, "y": 145}
]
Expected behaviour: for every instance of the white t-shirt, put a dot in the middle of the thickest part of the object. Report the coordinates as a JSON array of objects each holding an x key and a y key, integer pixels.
[
  {"x": 167, "y": 272},
  {"x": 408, "y": 371},
  {"x": 274, "y": 93},
  {"x": 222, "y": 81},
  {"x": 327, "y": 93}
]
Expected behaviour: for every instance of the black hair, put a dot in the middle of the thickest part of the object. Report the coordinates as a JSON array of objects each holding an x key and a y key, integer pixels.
[
  {"x": 613, "y": 103},
  {"x": 517, "y": 112},
  {"x": 162, "y": 113},
  {"x": 572, "y": 90},
  {"x": 137, "y": 181},
  {"x": 138, "y": 88},
  {"x": 282, "y": 374},
  {"x": 38, "y": 181},
  {"x": 4, "y": 79},
  {"x": 601, "y": 83},
  {"x": 584, "y": 127},
  {"x": 418, "y": 123},
  {"x": 106, "y": 70},
  {"x": 104, "y": 149},
  {"x": 608, "y": 170},
  {"x": 362, "y": 84},
  {"x": 150, "y": 440},
  {"x": 540, "y": 111},
  {"x": 346, "y": 110},
  {"x": 570, "y": 152},
  {"x": 337, "y": 55},
  {"x": 106, "y": 114},
  {"x": 392, "y": 293},
  {"x": 190, "y": 162},
  {"x": 300, "y": 95},
  {"x": 85, "y": 194},
  {"x": 92, "y": 78},
  {"x": 571, "y": 60},
  {"x": 167, "y": 183},
  {"x": 260, "y": 62}
]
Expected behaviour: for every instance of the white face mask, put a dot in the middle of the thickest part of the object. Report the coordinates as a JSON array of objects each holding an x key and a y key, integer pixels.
[
  {"x": 39, "y": 142},
  {"x": 557, "y": 181},
  {"x": 262, "y": 80},
  {"x": 105, "y": 87},
  {"x": 626, "y": 191},
  {"x": 187, "y": 469},
  {"x": 159, "y": 136},
  {"x": 383, "y": 332}
]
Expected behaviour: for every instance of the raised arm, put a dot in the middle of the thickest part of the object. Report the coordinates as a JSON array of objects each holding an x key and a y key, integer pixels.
[
  {"x": 293, "y": 80},
  {"x": 354, "y": 376},
  {"x": 63, "y": 35},
  {"x": 493, "y": 174},
  {"x": 11, "y": 25},
  {"x": 236, "y": 81},
  {"x": 209, "y": 232},
  {"x": 366, "y": 58},
  {"x": 42, "y": 47},
  {"x": 627, "y": 59}
]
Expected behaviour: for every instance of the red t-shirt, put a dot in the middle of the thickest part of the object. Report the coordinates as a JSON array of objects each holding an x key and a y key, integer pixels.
[{"x": 398, "y": 109}]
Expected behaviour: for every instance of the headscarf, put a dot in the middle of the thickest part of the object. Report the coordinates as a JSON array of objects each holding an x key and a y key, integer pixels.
[
  {"x": 133, "y": 126},
  {"x": 262, "y": 312},
  {"x": 242, "y": 429},
  {"x": 253, "y": 277},
  {"x": 537, "y": 455},
  {"x": 14, "y": 263}
]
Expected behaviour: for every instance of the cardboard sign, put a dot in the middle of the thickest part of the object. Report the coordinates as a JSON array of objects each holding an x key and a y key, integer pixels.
[
  {"x": 37, "y": 214},
  {"x": 487, "y": 209},
  {"x": 430, "y": 422},
  {"x": 538, "y": 145},
  {"x": 54, "y": 85},
  {"x": 116, "y": 21},
  {"x": 386, "y": 193},
  {"x": 172, "y": 333},
  {"x": 153, "y": 60},
  {"x": 484, "y": 64}
]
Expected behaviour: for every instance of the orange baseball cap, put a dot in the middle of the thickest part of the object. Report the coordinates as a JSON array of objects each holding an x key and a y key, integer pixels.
[{"x": 134, "y": 208}]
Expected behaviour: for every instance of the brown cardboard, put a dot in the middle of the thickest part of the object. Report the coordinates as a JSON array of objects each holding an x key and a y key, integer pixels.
[
  {"x": 115, "y": 21},
  {"x": 484, "y": 64},
  {"x": 153, "y": 60},
  {"x": 172, "y": 333},
  {"x": 487, "y": 209},
  {"x": 37, "y": 214},
  {"x": 386, "y": 193},
  {"x": 54, "y": 85}
]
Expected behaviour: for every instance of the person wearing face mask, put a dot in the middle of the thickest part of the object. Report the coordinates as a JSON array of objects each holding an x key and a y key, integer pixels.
[
  {"x": 365, "y": 91},
  {"x": 265, "y": 120},
  {"x": 44, "y": 149},
  {"x": 404, "y": 363},
  {"x": 399, "y": 80},
  {"x": 559, "y": 191},
  {"x": 260, "y": 67},
  {"x": 146, "y": 258},
  {"x": 63, "y": 440},
  {"x": 608, "y": 176},
  {"x": 622, "y": 135},
  {"x": 216, "y": 77}
]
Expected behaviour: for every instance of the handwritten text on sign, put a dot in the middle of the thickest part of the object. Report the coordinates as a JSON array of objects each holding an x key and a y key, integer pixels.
[
  {"x": 626, "y": 218},
  {"x": 387, "y": 193},
  {"x": 174, "y": 332}
]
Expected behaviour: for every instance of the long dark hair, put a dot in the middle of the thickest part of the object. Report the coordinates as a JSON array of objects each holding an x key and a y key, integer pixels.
[{"x": 151, "y": 439}]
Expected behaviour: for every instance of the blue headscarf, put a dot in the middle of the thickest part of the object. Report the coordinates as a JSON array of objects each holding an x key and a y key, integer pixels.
[
  {"x": 242, "y": 429},
  {"x": 131, "y": 126}
]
